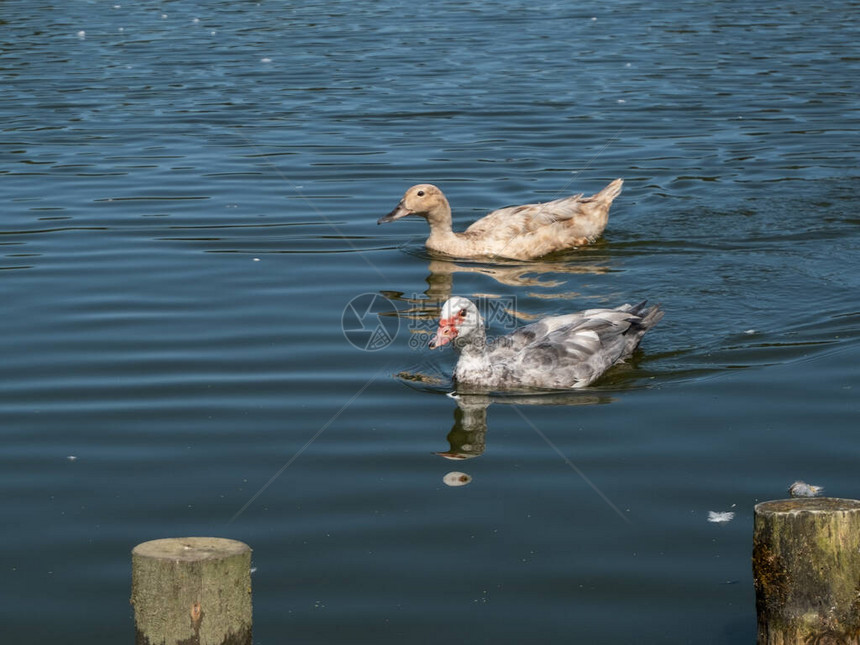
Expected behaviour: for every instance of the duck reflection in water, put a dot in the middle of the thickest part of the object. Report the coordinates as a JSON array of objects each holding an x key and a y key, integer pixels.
[
  {"x": 440, "y": 278},
  {"x": 468, "y": 436}
]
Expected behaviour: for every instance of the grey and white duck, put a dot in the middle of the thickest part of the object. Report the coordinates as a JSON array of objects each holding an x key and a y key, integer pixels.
[{"x": 559, "y": 352}]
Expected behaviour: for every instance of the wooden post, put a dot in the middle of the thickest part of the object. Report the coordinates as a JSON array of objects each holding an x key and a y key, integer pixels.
[
  {"x": 806, "y": 570},
  {"x": 193, "y": 591}
]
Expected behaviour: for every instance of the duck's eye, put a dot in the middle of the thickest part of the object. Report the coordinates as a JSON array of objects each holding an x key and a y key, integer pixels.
[
  {"x": 421, "y": 193},
  {"x": 462, "y": 312}
]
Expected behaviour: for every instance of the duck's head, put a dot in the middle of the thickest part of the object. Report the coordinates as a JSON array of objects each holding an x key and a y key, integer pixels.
[
  {"x": 424, "y": 199},
  {"x": 459, "y": 322}
]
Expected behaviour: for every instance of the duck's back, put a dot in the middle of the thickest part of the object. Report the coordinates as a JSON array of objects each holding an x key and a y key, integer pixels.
[
  {"x": 533, "y": 230},
  {"x": 570, "y": 351}
]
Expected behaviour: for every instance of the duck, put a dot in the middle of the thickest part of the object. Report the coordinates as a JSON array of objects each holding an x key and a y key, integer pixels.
[
  {"x": 564, "y": 352},
  {"x": 515, "y": 232}
]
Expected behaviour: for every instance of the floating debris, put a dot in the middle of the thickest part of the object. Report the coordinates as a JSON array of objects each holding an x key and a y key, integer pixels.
[
  {"x": 72, "y": 458},
  {"x": 457, "y": 456},
  {"x": 456, "y": 478},
  {"x": 417, "y": 377},
  {"x": 81, "y": 34},
  {"x": 720, "y": 517},
  {"x": 802, "y": 489}
]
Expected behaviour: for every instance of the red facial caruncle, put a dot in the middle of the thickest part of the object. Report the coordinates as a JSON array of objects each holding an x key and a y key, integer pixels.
[{"x": 448, "y": 329}]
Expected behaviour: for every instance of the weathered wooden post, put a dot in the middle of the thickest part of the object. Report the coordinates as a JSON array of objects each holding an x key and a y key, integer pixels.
[
  {"x": 806, "y": 570},
  {"x": 194, "y": 591}
]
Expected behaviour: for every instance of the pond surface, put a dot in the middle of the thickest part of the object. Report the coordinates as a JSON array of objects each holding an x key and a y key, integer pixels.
[{"x": 189, "y": 200}]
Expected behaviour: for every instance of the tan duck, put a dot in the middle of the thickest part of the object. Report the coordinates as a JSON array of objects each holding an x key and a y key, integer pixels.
[{"x": 516, "y": 232}]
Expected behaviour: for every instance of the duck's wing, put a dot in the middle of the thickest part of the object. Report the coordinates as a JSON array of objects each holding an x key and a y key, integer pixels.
[
  {"x": 575, "y": 350},
  {"x": 589, "y": 347},
  {"x": 558, "y": 210},
  {"x": 528, "y": 218},
  {"x": 535, "y": 333},
  {"x": 568, "y": 208},
  {"x": 503, "y": 224}
]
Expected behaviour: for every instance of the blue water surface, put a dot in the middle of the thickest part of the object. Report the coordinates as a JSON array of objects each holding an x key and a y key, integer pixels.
[{"x": 189, "y": 200}]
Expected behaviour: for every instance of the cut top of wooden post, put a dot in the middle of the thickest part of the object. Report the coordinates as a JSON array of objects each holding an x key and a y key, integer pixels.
[
  {"x": 192, "y": 590},
  {"x": 806, "y": 564},
  {"x": 807, "y": 505},
  {"x": 190, "y": 549}
]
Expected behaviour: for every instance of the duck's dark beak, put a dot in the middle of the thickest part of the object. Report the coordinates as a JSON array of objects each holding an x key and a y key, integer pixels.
[{"x": 397, "y": 213}]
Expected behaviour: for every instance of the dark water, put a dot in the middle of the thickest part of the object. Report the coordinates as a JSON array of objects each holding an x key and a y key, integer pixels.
[{"x": 189, "y": 194}]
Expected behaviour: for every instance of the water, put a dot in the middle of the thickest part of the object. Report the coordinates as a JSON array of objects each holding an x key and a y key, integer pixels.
[{"x": 190, "y": 193}]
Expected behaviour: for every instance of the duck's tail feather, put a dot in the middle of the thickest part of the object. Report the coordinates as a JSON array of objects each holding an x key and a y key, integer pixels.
[
  {"x": 608, "y": 194},
  {"x": 648, "y": 316},
  {"x": 644, "y": 318}
]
